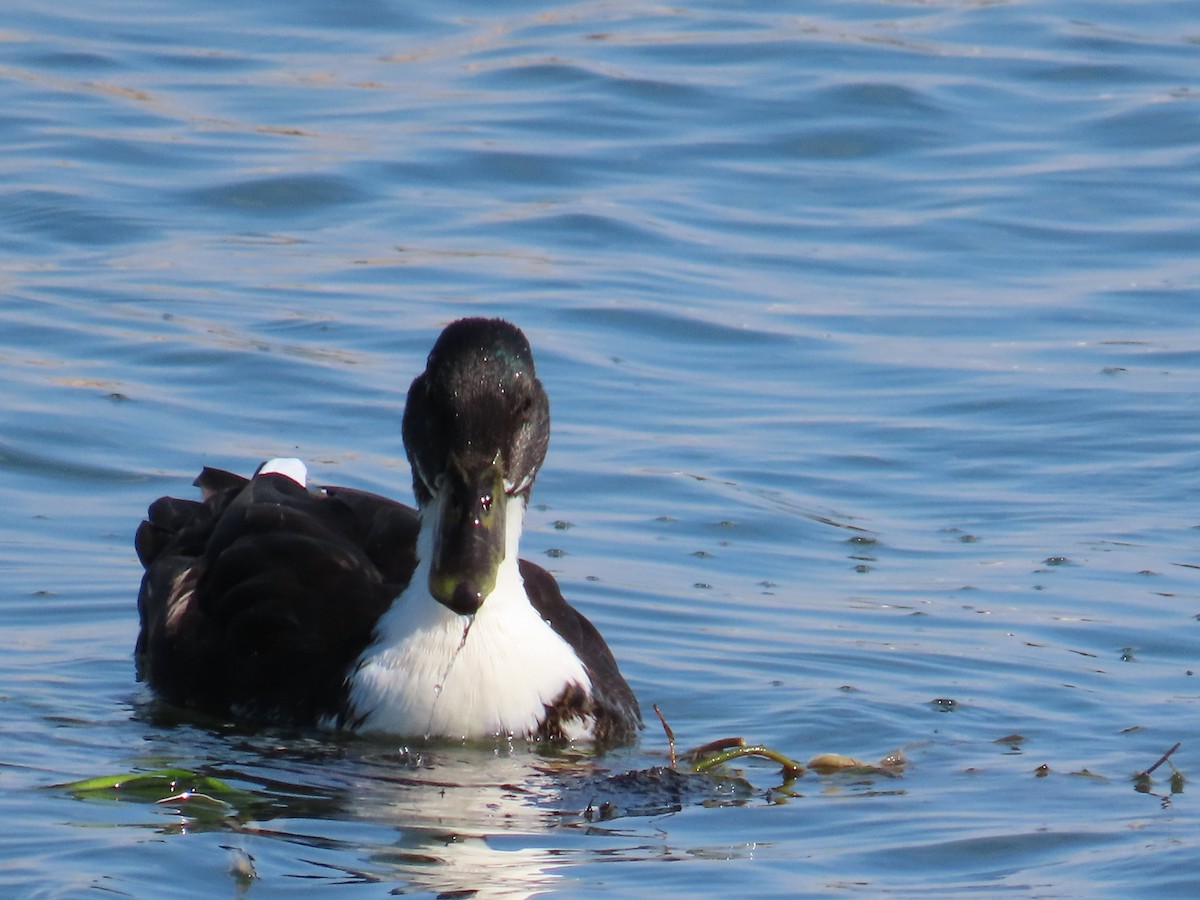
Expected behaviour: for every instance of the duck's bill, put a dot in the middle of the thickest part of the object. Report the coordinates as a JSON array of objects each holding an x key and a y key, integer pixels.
[{"x": 469, "y": 537}]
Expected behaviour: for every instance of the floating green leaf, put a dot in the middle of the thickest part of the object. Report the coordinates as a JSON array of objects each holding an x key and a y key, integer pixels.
[{"x": 156, "y": 786}]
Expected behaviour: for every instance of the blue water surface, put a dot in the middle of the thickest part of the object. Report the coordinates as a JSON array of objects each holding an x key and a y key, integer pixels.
[{"x": 872, "y": 336}]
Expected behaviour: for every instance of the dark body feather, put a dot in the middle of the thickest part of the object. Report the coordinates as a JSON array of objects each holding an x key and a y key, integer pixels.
[{"x": 258, "y": 599}]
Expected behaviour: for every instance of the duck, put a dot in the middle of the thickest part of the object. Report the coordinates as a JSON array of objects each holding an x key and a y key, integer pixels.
[{"x": 276, "y": 601}]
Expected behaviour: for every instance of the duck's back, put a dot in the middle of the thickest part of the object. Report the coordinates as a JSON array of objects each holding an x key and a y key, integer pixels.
[{"x": 257, "y": 599}]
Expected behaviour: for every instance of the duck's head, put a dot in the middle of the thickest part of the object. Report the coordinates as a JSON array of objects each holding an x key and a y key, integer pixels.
[{"x": 476, "y": 428}]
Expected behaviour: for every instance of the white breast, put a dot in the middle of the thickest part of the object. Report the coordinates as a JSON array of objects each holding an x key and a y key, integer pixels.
[{"x": 433, "y": 673}]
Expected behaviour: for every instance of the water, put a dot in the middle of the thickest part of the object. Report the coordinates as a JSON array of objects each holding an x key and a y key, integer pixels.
[{"x": 871, "y": 335}]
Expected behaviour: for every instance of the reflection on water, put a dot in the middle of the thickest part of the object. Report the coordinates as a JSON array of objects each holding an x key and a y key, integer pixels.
[
  {"x": 444, "y": 819},
  {"x": 447, "y": 813}
]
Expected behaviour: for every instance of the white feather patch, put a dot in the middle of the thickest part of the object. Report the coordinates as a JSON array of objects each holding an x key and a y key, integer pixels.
[{"x": 288, "y": 466}]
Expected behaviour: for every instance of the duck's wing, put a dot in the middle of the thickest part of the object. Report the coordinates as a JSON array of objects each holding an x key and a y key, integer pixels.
[
  {"x": 258, "y": 598},
  {"x": 614, "y": 705}
]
